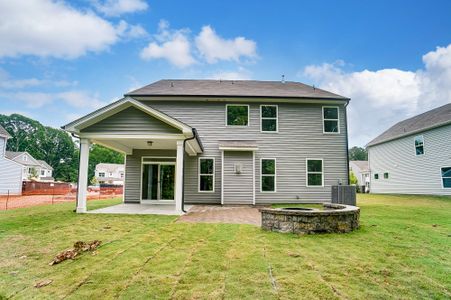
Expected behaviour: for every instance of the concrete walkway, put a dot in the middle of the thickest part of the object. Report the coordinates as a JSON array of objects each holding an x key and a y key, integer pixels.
[
  {"x": 222, "y": 214},
  {"x": 139, "y": 209}
]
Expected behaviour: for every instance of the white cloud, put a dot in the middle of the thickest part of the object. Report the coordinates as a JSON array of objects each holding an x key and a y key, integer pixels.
[
  {"x": 130, "y": 31},
  {"x": 49, "y": 28},
  {"x": 213, "y": 47},
  {"x": 74, "y": 98},
  {"x": 240, "y": 74},
  {"x": 81, "y": 99},
  {"x": 172, "y": 45},
  {"x": 118, "y": 7},
  {"x": 6, "y": 82},
  {"x": 383, "y": 97}
]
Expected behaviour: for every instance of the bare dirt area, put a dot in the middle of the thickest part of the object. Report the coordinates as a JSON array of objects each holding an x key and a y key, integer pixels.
[{"x": 13, "y": 202}]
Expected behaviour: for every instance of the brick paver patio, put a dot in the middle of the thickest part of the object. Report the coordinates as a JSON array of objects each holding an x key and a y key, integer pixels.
[{"x": 222, "y": 214}]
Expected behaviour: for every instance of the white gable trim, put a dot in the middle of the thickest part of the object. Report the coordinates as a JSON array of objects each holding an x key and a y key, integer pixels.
[{"x": 116, "y": 107}]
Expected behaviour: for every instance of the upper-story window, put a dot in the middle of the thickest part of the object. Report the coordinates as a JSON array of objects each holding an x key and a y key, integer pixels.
[
  {"x": 25, "y": 158},
  {"x": 101, "y": 174},
  {"x": 331, "y": 120},
  {"x": 42, "y": 172},
  {"x": 419, "y": 145},
  {"x": 268, "y": 118},
  {"x": 237, "y": 115}
]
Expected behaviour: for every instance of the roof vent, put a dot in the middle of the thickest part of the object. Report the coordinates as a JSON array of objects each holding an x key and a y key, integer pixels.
[{"x": 283, "y": 78}]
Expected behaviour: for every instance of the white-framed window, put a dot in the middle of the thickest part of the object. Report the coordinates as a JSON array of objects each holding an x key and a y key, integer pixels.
[
  {"x": 314, "y": 170},
  {"x": 446, "y": 177},
  {"x": 386, "y": 175},
  {"x": 206, "y": 171},
  {"x": 419, "y": 145},
  {"x": 376, "y": 176},
  {"x": 269, "y": 121},
  {"x": 25, "y": 157},
  {"x": 237, "y": 115},
  {"x": 101, "y": 174},
  {"x": 42, "y": 172},
  {"x": 122, "y": 175},
  {"x": 331, "y": 119},
  {"x": 268, "y": 175}
]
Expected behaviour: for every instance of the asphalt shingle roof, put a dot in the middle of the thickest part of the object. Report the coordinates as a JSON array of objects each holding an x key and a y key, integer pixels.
[
  {"x": 233, "y": 88},
  {"x": 4, "y": 132},
  {"x": 434, "y": 118}
]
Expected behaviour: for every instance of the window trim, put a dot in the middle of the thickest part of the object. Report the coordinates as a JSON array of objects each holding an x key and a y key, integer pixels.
[
  {"x": 376, "y": 175},
  {"x": 441, "y": 178},
  {"x": 248, "y": 115},
  {"x": 275, "y": 174},
  {"x": 415, "y": 146},
  {"x": 386, "y": 173},
  {"x": 269, "y": 118},
  {"x": 338, "y": 119},
  {"x": 199, "y": 174},
  {"x": 307, "y": 172},
  {"x": 102, "y": 173}
]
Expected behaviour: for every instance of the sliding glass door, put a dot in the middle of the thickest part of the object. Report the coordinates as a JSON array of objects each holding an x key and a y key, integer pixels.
[{"x": 158, "y": 181}]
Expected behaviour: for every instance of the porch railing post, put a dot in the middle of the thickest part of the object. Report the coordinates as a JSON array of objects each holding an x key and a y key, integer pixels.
[{"x": 179, "y": 176}]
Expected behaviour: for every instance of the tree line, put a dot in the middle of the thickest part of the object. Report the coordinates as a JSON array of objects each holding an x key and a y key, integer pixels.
[{"x": 54, "y": 146}]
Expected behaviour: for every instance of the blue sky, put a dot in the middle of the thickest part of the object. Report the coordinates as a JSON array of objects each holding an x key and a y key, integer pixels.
[{"x": 62, "y": 59}]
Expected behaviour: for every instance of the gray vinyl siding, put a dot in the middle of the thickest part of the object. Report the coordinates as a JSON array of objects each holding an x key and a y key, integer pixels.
[
  {"x": 300, "y": 136},
  {"x": 409, "y": 173},
  {"x": 10, "y": 173},
  {"x": 132, "y": 193},
  {"x": 238, "y": 187},
  {"x": 131, "y": 120}
]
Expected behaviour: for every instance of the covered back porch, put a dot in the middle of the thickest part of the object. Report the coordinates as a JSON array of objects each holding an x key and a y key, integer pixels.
[{"x": 154, "y": 145}]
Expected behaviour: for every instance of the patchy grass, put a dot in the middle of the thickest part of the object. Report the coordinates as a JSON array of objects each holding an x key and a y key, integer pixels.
[{"x": 402, "y": 250}]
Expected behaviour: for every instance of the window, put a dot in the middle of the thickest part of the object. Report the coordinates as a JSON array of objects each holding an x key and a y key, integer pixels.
[
  {"x": 101, "y": 174},
  {"x": 206, "y": 175},
  {"x": 237, "y": 115},
  {"x": 376, "y": 176},
  {"x": 268, "y": 118},
  {"x": 111, "y": 174},
  {"x": 268, "y": 175},
  {"x": 25, "y": 158},
  {"x": 419, "y": 145},
  {"x": 331, "y": 122},
  {"x": 314, "y": 172},
  {"x": 122, "y": 175},
  {"x": 446, "y": 177},
  {"x": 42, "y": 172},
  {"x": 385, "y": 175}
]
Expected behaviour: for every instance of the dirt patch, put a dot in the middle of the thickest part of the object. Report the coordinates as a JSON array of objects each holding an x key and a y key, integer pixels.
[
  {"x": 79, "y": 247},
  {"x": 222, "y": 214}
]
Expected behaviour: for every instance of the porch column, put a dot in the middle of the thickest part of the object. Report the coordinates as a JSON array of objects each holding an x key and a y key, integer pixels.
[
  {"x": 179, "y": 176},
  {"x": 83, "y": 176}
]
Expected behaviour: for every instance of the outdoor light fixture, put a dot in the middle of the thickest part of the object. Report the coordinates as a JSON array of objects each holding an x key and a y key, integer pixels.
[{"x": 149, "y": 143}]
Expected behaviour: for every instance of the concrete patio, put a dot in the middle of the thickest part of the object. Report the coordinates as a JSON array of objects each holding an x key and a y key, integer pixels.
[{"x": 140, "y": 209}]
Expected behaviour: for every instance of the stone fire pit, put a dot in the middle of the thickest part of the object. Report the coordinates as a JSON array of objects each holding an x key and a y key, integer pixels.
[{"x": 333, "y": 218}]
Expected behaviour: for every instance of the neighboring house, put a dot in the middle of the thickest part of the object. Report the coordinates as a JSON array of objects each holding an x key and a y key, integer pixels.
[
  {"x": 414, "y": 155},
  {"x": 31, "y": 168},
  {"x": 361, "y": 170},
  {"x": 10, "y": 171},
  {"x": 222, "y": 142},
  {"x": 110, "y": 173}
]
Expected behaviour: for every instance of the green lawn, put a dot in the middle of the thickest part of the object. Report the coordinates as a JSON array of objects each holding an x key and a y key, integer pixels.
[{"x": 402, "y": 251}]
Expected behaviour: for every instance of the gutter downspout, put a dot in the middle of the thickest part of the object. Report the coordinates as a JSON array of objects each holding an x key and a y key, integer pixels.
[
  {"x": 347, "y": 143},
  {"x": 195, "y": 136}
]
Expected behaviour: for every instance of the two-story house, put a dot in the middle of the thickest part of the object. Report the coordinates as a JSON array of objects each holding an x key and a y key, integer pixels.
[
  {"x": 110, "y": 173},
  {"x": 222, "y": 142},
  {"x": 10, "y": 171},
  {"x": 32, "y": 169},
  {"x": 414, "y": 155}
]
